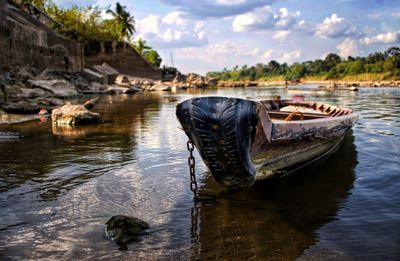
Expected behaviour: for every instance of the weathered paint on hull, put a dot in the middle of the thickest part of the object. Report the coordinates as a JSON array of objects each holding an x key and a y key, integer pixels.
[
  {"x": 239, "y": 142},
  {"x": 282, "y": 156}
]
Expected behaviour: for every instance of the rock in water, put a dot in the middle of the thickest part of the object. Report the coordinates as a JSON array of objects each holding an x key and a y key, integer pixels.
[
  {"x": 71, "y": 115},
  {"x": 123, "y": 229}
]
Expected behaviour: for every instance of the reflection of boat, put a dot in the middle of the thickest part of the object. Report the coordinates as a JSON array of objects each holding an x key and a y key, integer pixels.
[
  {"x": 276, "y": 219},
  {"x": 242, "y": 140}
]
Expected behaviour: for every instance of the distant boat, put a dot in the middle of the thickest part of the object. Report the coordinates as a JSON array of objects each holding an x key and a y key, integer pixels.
[{"x": 242, "y": 141}]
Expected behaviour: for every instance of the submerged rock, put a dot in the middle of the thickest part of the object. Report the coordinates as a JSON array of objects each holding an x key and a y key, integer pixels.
[
  {"x": 124, "y": 229},
  {"x": 71, "y": 115}
]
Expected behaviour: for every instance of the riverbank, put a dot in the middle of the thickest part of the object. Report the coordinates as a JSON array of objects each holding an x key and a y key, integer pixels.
[
  {"x": 341, "y": 83},
  {"x": 28, "y": 94}
]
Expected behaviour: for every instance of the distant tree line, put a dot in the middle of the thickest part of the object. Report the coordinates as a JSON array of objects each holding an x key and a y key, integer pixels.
[
  {"x": 332, "y": 67},
  {"x": 87, "y": 24}
]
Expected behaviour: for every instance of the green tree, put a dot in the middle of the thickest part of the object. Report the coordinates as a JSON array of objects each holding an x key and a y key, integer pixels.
[
  {"x": 356, "y": 67},
  {"x": 141, "y": 46},
  {"x": 331, "y": 60},
  {"x": 296, "y": 71},
  {"x": 153, "y": 57},
  {"x": 123, "y": 20},
  {"x": 147, "y": 52}
]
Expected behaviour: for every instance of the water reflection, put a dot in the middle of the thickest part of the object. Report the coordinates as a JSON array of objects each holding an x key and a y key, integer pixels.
[
  {"x": 275, "y": 219},
  {"x": 54, "y": 160}
]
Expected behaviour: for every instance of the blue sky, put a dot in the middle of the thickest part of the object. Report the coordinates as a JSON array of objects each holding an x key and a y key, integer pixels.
[{"x": 212, "y": 34}]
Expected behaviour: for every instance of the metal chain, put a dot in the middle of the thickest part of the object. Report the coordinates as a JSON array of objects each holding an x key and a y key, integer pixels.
[{"x": 192, "y": 164}]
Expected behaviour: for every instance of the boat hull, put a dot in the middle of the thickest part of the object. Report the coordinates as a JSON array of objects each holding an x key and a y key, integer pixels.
[{"x": 240, "y": 143}]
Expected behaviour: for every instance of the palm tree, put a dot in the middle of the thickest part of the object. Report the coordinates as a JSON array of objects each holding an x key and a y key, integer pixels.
[
  {"x": 141, "y": 46},
  {"x": 123, "y": 20}
]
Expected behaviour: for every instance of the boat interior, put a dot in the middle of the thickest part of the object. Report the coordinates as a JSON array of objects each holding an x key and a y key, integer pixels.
[{"x": 292, "y": 110}]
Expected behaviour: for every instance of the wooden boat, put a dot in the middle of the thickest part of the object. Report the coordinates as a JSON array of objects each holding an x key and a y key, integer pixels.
[{"x": 241, "y": 141}]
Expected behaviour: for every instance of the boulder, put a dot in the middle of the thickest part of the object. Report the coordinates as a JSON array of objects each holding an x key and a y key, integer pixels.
[
  {"x": 59, "y": 88},
  {"x": 122, "y": 80},
  {"x": 124, "y": 229},
  {"x": 81, "y": 83},
  {"x": 115, "y": 89},
  {"x": 211, "y": 82},
  {"x": 109, "y": 73},
  {"x": 72, "y": 115},
  {"x": 133, "y": 89},
  {"x": 92, "y": 76},
  {"x": 23, "y": 75},
  {"x": 56, "y": 102},
  {"x": 89, "y": 104},
  {"x": 21, "y": 107},
  {"x": 195, "y": 80},
  {"x": 26, "y": 93},
  {"x": 12, "y": 90},
  {"x": 161, "y": 86}
]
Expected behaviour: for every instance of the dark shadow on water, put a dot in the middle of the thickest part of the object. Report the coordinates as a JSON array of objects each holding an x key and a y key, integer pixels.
[{"x": 274, "y": 219}]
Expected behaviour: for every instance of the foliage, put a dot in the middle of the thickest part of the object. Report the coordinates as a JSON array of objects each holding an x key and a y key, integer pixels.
[
  {"x": 147, "y": 52},
  {"x": 123, "y": 21},
  {"x": 383, "y": 64},
  {"x": 87, "y": 25},
  {"x": 38, "y": 3},
  {"x": 153, "y": 57},
  {"x": 82, "y": 24}
]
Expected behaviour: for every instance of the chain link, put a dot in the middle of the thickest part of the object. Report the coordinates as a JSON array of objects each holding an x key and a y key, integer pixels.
[{"x": 192, "y": 165}]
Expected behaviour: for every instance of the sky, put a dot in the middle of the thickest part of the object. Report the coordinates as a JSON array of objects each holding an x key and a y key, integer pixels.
[{"x": 207, "y": 35}]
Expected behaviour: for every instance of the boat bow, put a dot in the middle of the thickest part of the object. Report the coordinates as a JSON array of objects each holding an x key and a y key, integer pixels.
[{"x": 223, "y": 130}]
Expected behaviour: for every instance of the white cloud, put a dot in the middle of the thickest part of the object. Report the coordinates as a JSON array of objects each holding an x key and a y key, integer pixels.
[
  {"x": 334, "y": 27},
  {"x": 380, "y": 14},
  {"x": 175, "y": 18},
  {"x": 263, "y": 18},
  {"x": 217, "y": 8},
  {"x": 285, "y": 19},
  {"x": 348, "y": 47},
  {"x": 230, "y": 2},
  {"x": 198, "y": 26},
  {"x": 395, "y": 14},
  {"x": 387, "y": 38},
  {"x": 291, "y": 56},
  {"x": 281, "y": 35},
  {"x": 230, "y": 48},
  {"x": 174, "y": 30},
  {"x": 268, "y": 54}
]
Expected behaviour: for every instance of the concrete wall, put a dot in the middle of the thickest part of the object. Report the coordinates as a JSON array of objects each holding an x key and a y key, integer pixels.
[
  {"x": 25, "y": 41},
  {"x": 125, "y": 59}
]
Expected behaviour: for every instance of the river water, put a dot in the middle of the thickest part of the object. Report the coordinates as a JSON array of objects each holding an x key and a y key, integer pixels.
[{"x": 58, "y": 188}]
